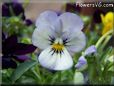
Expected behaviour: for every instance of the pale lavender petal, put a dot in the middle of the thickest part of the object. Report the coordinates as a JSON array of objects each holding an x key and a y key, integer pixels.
[
  {"x": 50, "y": 18},
  {"x": 81, "y": 62},
  {"x": 76, "y": 40},
  {"x": 90, "y": 50},
  {"x": 71, "y": 21},
  {"x": 57, "y": 27},
  {"x": 47, "y": 17},
  {"x": 42, "y": 35}
]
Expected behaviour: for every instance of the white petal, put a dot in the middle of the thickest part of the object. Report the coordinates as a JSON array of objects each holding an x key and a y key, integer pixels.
[
  {"x": 91, "y": 49},
  {"x": 71, "y": 20},
  {"x": 47, "y": 17},
  {"x": 64, "y": 62},
  {"x": 77, "y": 40},
  {"x": 55, "y": 61},
  {"x": 46, "y": 58},
  {"x": 40, "y": 37}
]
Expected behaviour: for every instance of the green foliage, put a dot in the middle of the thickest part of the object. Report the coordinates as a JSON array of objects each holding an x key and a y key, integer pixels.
[{"x": 22, "y": 68}]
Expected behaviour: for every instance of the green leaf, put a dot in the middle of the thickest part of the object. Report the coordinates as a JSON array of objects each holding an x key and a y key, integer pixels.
[
  {"x": 111, "y": 69},
  {"x": 22, "y": 68}
]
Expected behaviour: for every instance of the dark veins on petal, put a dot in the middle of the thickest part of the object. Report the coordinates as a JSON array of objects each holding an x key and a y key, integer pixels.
[
  {"x": 51, "y": 39},
  {"x": 56, "y": 51}
]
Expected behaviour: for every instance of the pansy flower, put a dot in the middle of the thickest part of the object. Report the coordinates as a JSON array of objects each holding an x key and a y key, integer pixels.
[
  {"x": 59, "y": 37},
  {"x": 82, "y": 62},
  {"x": 11, "y": 50},
  {"x": 107, "y": 21}
]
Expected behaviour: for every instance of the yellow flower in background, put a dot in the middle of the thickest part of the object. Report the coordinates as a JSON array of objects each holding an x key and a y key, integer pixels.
[{"x": 107, "y": 21}]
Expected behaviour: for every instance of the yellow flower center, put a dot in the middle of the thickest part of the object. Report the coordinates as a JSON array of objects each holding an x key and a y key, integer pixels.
[{"x": 58, "y": 47}]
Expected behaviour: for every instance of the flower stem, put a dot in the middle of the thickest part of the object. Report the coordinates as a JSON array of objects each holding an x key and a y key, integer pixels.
[
  {"x": 106, "y": 41},
  {"x": 35, "y": 73},
  {"x": 103, "y": 37}
]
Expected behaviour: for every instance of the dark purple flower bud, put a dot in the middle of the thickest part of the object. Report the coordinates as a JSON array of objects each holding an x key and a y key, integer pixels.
[
  {"x": 28, "y": 22},
  {"x": 8, "y": 63},
  {"x": 16, "y": 8}
]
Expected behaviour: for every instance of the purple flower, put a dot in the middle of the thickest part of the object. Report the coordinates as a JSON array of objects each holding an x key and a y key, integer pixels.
[
  {"x": 59, "y": 37},
  {"x": 90, "y": 50},
  {"x": 15, "y": 7},
  {"x": 82, "y": 62},
  {"x": 17, "y": 10},
  {"x": 11, "y": 50}
]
